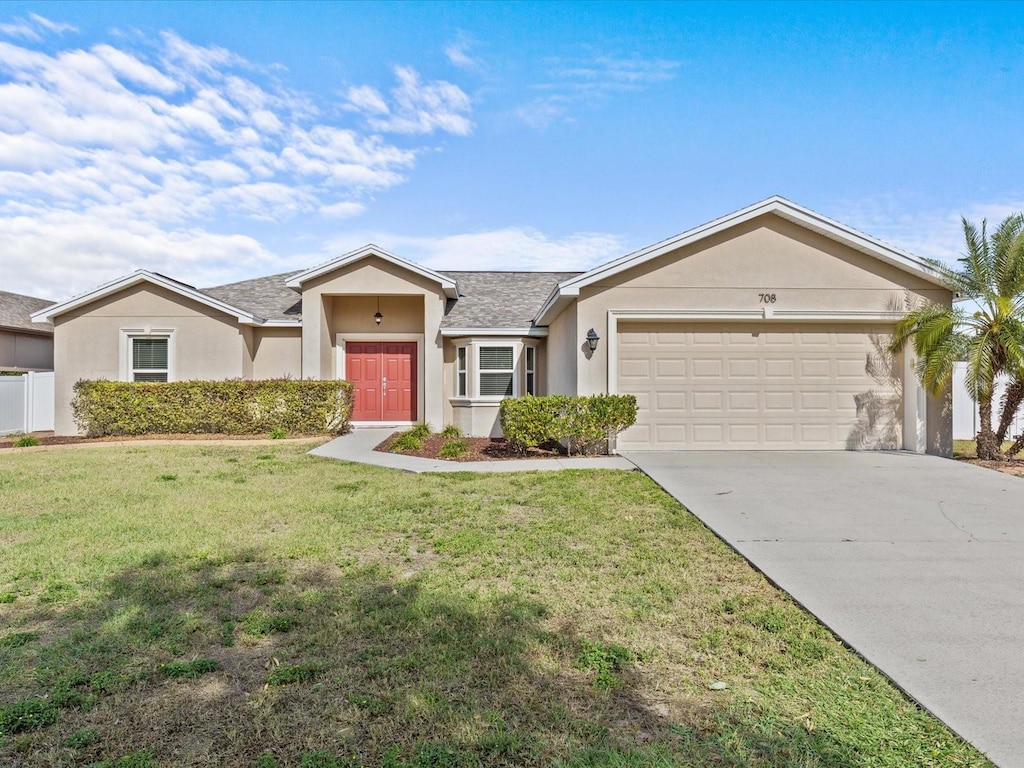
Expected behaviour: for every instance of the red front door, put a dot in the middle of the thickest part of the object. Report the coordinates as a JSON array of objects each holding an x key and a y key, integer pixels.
[{"x": 383, "y": 376}]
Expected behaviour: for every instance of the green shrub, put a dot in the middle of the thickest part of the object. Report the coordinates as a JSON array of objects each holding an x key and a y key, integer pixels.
[
  {"x": 452, "y": 449},
  {"x": 582, "y": 424},
  {"x": 26, "y": 441},
  {"x": 422, "y": 431},
  {"x": 451, "y": 431},
  {"x": 278, "y": 433},
  {"x": 406, "y": 441},
  {"x": 235, "y": 407}
]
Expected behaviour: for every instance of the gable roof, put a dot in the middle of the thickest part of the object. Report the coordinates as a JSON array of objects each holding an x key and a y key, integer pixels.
[
  {"x": 16, "y": 312},
  {"x": 266, "y": 297},
  {"x": 446, "y": 283},
  {"x": 143, "y": 276},
  {"x": 567, "y": 290},
  {"x": 498, "y": 300}
]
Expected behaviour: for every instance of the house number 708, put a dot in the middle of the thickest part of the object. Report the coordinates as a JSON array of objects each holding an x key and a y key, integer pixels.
[{"x": 766, "y": 298}]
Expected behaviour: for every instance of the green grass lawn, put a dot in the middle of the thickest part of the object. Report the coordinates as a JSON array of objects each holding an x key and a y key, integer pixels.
[
  {"x": 255, "y": 606},
  {"x": 968, "y": 449}
]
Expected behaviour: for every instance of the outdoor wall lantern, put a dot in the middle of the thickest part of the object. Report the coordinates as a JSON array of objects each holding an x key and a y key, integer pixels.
[
  {"x": 592, "y": 339},
  {"x": 378, "y": 316}
]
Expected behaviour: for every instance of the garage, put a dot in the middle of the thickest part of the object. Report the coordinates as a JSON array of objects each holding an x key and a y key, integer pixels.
[{"x": 759, "y": 385}]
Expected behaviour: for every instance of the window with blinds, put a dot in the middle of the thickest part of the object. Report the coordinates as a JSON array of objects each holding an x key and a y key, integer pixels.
[
  {"x": 460, "y": 372},
  {"x": 531, "y": 371},
  {"x": 496, "y": 371},
  {"x": 150, "y": 359}
]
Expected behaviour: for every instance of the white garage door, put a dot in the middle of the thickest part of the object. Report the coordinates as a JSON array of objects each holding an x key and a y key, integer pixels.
[{"x": 757, "y": 387}]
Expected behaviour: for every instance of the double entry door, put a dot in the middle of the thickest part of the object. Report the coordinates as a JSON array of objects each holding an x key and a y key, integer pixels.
[{"x": 383, "y": 376}]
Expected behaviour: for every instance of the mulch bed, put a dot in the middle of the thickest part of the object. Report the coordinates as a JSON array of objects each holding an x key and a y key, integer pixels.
[
  {"x": 479, "y": 449},
  {"x": 1008, "y": 466}
]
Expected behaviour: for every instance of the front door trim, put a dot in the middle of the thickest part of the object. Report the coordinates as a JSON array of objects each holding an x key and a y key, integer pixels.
[{"x": 341, "y": 339}]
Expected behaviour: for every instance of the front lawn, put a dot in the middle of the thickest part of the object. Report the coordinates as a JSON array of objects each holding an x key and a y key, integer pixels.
[{"x": 255, "y": 606}]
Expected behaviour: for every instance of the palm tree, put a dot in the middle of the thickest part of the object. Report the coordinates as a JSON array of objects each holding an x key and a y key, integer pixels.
[{"x": 990, "y": 338}]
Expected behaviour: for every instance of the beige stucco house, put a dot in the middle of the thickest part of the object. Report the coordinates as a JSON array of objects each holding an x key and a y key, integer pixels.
[
  {"x": 24, "y": 345},
  {"x": 765, "y": 329}
]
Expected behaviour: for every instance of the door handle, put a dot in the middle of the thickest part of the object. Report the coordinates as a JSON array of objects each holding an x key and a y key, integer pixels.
[{"x": 384, "y": 384}]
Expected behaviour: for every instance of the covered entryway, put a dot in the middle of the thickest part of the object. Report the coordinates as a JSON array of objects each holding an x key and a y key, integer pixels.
[
  {"x": 383, "y": 376},
  {"x": 760, "y": 385}
]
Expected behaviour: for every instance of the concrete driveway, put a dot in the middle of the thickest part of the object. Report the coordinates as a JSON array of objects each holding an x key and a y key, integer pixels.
[{"x": 915, "y": 561}]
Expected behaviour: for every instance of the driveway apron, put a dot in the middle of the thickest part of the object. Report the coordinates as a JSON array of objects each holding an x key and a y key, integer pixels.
[{"x": 917, "y": 562}]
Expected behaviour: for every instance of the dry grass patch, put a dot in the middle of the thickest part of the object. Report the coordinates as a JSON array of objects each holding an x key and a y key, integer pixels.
[{"x": 267, "y": 608}]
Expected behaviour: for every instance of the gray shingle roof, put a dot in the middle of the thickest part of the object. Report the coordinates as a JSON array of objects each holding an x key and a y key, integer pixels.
[
  {"x": 486, "y": 299},
  {"x": 16, "y": 308},
  {"x": 499, "y": 299},
  {"x": 265, "y": 297}
]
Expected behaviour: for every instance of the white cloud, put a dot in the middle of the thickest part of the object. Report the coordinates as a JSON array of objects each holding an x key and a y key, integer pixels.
[
  {"x": 344, "y": 210},
  {"x": 34, "y": 27},
  {"x": 458, "y": 53},
  {"x": 611, "y": 73},
  {"x": 416, "y": 108},
  {"x": 932, "y": 233},
  {"x": 367, "y": 99},
  {"x": 575, "y": 82},
  {"x": 52, "y": 26},
  {"x": 510, "y": 248},
  {"x": 144, "y": 153}
]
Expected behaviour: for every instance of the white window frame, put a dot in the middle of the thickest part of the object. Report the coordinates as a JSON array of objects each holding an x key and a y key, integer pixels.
[
  {"x": 480, "y": 371},
  {"x": 462, "y": 371},
  {"x": 128, "y": 336},
  {"x": 529, "y": 369}
]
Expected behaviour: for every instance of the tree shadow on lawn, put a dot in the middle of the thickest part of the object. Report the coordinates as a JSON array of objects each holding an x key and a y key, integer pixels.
[{"x": 242, "y": 661}]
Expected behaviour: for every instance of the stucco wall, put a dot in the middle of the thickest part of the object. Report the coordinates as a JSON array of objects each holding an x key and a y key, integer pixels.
[
  {"x": 277, "y": 353},
  {"x": 25, "y": 351},
  {"x": 563, "y": 346},
  {"x": 89, "y": 344},
  {"x": 727, "y": 272},
  {"x": 344, "y": 301}
]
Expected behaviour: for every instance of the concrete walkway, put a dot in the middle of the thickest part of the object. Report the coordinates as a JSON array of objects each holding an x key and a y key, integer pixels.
[
  {"x": 915, "y": 561},
  {"x": 358, "y": 446}
]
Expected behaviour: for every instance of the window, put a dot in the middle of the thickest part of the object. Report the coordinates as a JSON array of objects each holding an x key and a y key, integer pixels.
[
  {"x": 460, "y": 372},
  {"x": 531, "y": 370},
  {"x": 149, "y": 358},
  {"x": 496, "y": 371}
]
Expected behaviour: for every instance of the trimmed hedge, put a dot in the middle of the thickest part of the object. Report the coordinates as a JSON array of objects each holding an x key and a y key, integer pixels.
[
  {"x": 581, "y": 424},
  {"x": 234, "y": 407}
]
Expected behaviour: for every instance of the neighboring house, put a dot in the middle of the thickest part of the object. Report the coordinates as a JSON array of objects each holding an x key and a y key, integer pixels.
[
  {"x": 25, "y": 345},
  {"x": 765, "y": 329}
]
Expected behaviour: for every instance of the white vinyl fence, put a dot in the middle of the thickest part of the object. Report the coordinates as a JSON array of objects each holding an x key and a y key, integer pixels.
[
  {"x": 26, "y": 403},
  {"x": 965, "y": 411}
]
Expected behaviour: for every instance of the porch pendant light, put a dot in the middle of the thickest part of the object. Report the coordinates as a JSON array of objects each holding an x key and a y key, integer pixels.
[{"x": 378, "y": 316}]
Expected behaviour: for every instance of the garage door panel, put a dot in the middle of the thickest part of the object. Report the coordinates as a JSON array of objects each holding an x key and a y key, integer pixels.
[
  {"x": 670, "y": 367},
  {"x": 816, "y": 368},
  {"x": 707, "y": 401},
  {"x": 743, "y": 401},
  {"x": 706, "y": 369},
  {"x": 743, "y": 368},
  {"x": 779, "y": 369},
  {"x": 744, "y": 387}
]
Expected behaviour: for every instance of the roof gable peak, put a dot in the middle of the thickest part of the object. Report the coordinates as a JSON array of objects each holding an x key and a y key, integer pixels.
[{"x": 367, "y": 251}]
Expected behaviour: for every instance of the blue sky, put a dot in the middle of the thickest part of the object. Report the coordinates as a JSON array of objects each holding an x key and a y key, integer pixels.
[{"x": 221, "y": 141}]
